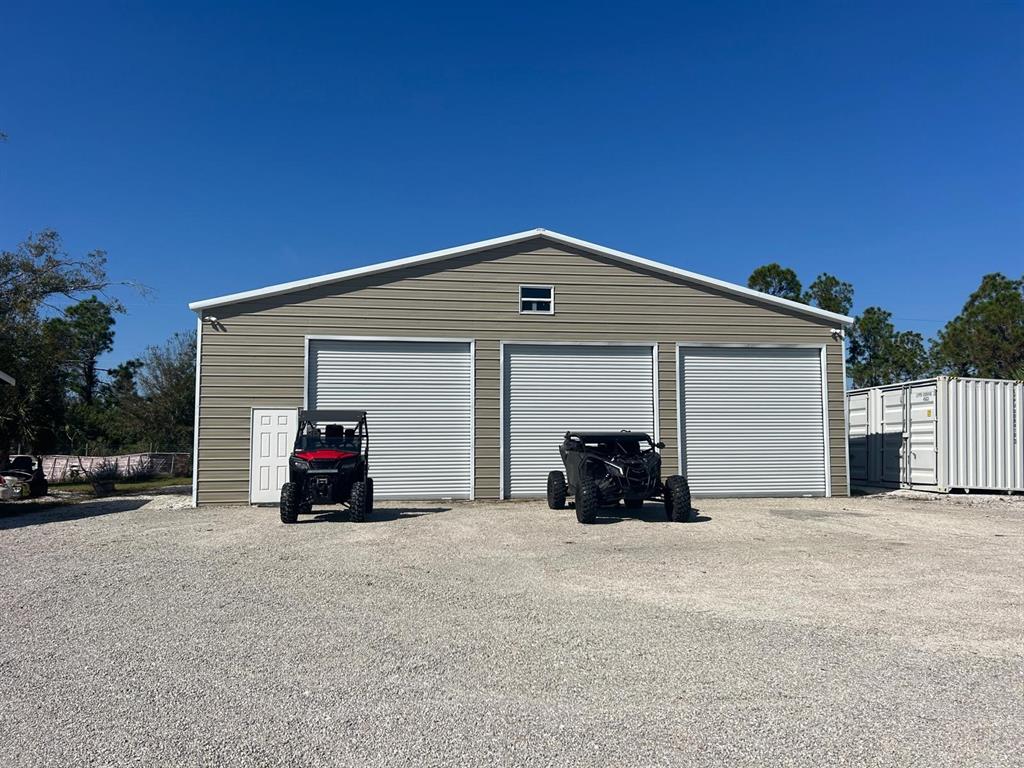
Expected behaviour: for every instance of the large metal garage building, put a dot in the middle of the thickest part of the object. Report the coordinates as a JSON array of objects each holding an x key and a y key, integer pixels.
[{"x": 473, "y": 361}]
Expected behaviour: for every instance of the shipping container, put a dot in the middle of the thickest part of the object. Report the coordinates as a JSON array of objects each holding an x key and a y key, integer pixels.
[{"x": 941, "y": 434}]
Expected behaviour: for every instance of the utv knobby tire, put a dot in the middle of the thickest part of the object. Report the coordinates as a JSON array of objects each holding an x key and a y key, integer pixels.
[
  {"x": 359, "y": 502},
  {"x": 634, "y": 503},
  {"x": 289, "y": 503},
  {"x": 556, "y": 490},
  {"x": 678, "y": 506},
  {"x": 587, "y": 503}
]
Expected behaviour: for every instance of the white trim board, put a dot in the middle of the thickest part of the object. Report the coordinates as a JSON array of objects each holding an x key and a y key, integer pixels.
[
  {"x": 482, "y": 245},
  {"x": 195, "y": 418}
]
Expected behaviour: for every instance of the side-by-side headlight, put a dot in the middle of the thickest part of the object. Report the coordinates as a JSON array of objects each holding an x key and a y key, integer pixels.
[{"x": 299, "y": 463}]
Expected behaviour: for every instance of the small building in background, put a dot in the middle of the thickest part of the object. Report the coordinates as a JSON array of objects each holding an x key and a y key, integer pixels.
[{"x": 940, "y": 434}]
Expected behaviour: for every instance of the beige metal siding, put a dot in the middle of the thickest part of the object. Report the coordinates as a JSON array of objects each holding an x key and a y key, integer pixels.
[{"x": 254, "y": 357}]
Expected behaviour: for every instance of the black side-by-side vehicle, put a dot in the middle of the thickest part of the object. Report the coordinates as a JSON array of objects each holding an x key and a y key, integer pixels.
[
  {"x": 604, "y": 468},
  {"x": 329, "y": 465}
]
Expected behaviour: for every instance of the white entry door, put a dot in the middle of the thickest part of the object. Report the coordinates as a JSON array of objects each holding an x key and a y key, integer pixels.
[{"x": 273, "y": 435}]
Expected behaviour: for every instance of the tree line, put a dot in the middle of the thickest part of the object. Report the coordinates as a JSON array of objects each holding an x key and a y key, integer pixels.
[
  {"x": 57, "y": 322},
  {"x": 986, "y": 339}
]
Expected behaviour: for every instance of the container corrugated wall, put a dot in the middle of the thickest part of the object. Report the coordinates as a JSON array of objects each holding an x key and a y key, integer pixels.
[
  {"x": 938, "y": 434},
  {"x": 983, "y": 418}
]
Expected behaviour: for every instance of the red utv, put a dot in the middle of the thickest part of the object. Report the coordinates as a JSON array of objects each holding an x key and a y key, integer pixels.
[{"x": 329, "y": 465}]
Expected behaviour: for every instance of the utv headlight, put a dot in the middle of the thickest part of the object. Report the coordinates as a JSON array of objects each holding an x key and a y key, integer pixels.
[{"x": 300, "y": 463}]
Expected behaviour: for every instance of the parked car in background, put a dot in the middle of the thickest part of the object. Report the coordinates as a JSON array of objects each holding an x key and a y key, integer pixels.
[
  {"x": 25, "y": 477},
  {"x": 6, "y": 491},
  {"x": 12, "y": 489}
]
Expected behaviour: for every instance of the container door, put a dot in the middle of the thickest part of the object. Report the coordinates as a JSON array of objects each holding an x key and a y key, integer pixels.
[
  {"x": 857, "y": 423},
  {"x": 892, "y": 436},
  {"x": 922, "y": 446}
]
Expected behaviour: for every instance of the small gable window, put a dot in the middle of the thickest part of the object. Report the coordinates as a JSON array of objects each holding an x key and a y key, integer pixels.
[{"x": 536, "y": 299}]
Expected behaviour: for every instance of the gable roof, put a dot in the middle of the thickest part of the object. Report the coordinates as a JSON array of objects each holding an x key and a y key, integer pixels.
[{"x": 483, "y": 245}]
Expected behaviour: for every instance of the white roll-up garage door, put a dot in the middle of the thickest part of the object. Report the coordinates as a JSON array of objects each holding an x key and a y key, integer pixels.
[
  {"x": 552, "y": 388},
  {"x": 418, "y": 396},
  {"x": 752, "y": 421}
]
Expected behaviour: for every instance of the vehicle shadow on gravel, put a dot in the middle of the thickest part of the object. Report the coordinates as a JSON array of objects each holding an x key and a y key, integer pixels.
[
  {"x": 649, "y": 513},
  {"x": 17, "y": 516},
  {"x": 378, "y": 515}
]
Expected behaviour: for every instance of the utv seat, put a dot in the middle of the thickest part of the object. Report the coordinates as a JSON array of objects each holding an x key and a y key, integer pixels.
[{"x": 335, "y": 431}]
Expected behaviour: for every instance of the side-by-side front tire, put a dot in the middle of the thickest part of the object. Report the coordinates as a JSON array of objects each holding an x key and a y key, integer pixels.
[
  {"x": 556, "y": 490},
  {"x": 678, "y": 506},
  {"x": 361, "y": 501},
  {"x": 587, "y": 502},
  {"x": 289, "y": 503}
]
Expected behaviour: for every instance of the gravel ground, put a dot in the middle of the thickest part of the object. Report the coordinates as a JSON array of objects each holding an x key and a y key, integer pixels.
[{"x": 881, "y": 630}]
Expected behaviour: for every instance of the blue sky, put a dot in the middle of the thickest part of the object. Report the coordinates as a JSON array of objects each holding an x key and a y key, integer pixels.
[{"x": 216, "y": 149}]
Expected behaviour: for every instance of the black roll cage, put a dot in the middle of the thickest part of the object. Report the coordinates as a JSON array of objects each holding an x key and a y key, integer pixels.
[{"x": 362, "y": 432}]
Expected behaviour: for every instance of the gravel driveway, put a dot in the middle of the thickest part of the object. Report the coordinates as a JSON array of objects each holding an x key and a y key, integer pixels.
[{"x": 885, "y": 630}]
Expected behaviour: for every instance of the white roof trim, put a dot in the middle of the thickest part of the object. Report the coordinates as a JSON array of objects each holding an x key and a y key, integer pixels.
[{"x": 461, "y": 250}]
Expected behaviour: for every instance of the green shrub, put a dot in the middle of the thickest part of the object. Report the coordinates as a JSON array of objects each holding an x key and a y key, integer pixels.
[
  {"x": 140, "y": 472},
  {"x": 105, "y": 471}
]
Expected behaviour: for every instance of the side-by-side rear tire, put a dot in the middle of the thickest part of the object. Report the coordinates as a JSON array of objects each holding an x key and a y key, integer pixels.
[
  {"x": 587, "y": 502},
  {"x": 678, "y": 506},
  {"x": 289, "y": 503},
  {"x": 361, "y": 501},
  {"x": 556, "y": 490}
]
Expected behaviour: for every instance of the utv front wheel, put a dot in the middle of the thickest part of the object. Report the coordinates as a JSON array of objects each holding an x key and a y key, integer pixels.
[
  {"x": 289, "y": 503},
  {"x": 360, "y": 502},
  {"x": 587, "y": 503},
  {"x": 677, "y": 500},
  {"x": 556, "y": 490}
]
